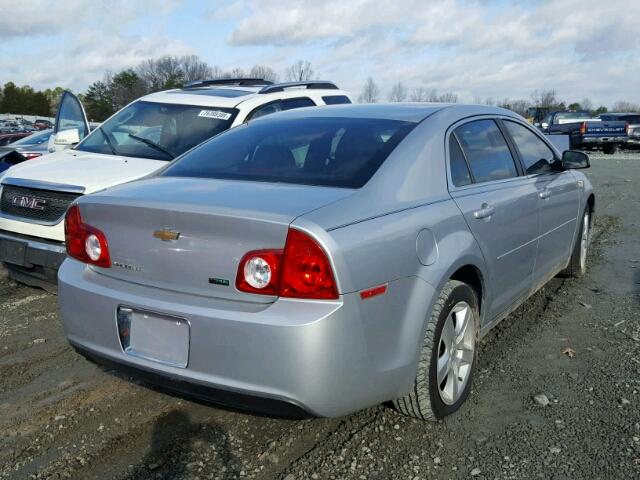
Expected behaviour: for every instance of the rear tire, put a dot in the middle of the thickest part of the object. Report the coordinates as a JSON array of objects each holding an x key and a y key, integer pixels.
[
  {"x": 610, "y": 149},
  {"x": 578, "y": 263},
  {"x": 448, "y": 356}
]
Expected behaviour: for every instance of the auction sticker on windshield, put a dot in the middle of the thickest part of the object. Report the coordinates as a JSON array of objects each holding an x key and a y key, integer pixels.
[{"x": 217, "y": 114}]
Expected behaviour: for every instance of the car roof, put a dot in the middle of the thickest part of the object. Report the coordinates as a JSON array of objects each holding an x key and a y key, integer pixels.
[
  {"x": 229, "y": 96},
  {"x": 409, "y": 112}
]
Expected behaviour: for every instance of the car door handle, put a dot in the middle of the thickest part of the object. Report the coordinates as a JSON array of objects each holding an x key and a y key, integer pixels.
[
  {"x": 485, "y": 211},
  {"x": 544, "y": 194}
]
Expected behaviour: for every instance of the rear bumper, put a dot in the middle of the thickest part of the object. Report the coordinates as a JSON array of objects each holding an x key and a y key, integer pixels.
[
  {"x": 602, "y": 140},
  {"x": 316, "y": 356}
]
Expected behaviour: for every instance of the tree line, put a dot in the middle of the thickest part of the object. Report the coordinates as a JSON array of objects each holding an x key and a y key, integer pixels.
[
  {"x": 116, "y": 89},
  {"x": 543, "y": 99}
]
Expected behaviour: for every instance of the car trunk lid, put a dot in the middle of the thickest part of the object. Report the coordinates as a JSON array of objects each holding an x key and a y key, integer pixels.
[{"x": 188, "y": 235}]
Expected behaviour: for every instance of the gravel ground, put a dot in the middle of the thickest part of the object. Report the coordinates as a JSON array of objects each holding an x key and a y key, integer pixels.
[{"x": 577, "y": 342}]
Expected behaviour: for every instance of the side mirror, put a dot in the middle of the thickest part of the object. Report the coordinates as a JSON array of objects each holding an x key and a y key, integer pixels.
[
  {"x": 572, "y": 159},
  {"x": 67, "y": 138},
  {"x": 544, "y": 125}
]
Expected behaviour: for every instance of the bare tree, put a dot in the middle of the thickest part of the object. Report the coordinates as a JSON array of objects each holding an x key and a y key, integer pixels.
[
  {"x": 370, "y": 92},
  {"x": 162, "y": 73},
  {"x": 518, "y": 106},
  {"x": 419, "y": 94},
  {"x": 301, "y": 71},
  {"x": 448, "y": 97},
  {"x": 195, "y": 69},
  {"x": 264, "y": 72},
  {"x": 398, "y": 93},
  {"x": 521, "y": 106},
  {"x": 545, "y": 98},
  {"x": 216, "y": 73},
  {"x": 626, "y": 107},
  {"x": 235, "y": 73},
  {"x": 586, "y": 104}
]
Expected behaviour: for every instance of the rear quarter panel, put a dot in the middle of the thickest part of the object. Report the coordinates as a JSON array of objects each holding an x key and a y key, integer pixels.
[{"x": 413, "y": 252}]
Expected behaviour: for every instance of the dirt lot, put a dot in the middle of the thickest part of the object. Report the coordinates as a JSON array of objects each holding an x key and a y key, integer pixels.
[{"x": 63, "y": 417}]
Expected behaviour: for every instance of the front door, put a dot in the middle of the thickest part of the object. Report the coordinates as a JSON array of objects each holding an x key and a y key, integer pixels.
[
  {"x": 71, "y": 123},
  {"x": 500, "y": 207},
  {"x": 558, "y": 197}
]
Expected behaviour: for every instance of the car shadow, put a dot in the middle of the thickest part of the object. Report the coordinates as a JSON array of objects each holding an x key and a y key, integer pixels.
[{"x": 173, "y": 441}]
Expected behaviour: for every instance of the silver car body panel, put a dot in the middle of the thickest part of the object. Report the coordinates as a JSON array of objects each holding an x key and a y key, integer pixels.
[{"x": 408, "y": 228}]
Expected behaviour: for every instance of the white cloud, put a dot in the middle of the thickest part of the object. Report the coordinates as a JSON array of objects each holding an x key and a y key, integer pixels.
[
  {"x": 474, "y": 48},
  {"x": 581, "y": 48}
]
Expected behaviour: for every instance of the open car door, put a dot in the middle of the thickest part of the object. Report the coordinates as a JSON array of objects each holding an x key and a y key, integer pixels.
[{"x": 71, "y": 123}]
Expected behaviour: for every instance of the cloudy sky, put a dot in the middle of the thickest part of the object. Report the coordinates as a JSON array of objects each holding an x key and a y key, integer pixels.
[{"x": 475, "y": 48}]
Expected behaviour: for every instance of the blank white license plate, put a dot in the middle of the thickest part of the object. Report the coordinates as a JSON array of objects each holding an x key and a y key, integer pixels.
[{"x": 160, "y": 338}]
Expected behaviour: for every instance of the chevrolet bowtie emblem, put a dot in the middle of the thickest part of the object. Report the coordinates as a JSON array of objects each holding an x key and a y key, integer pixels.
[{"x": 166, "y": 235}]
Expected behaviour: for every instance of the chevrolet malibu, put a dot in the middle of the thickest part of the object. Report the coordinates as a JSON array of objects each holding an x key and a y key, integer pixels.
[{"x": 320, "y": 261}]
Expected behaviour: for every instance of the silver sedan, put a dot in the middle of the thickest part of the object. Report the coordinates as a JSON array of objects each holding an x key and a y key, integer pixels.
[{"x": 324, "y": 260}]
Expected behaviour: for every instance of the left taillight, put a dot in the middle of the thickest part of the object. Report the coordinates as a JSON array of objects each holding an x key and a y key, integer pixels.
[
  {"x": 31, "y": 155},
  {"x": 84, "y": 242}
]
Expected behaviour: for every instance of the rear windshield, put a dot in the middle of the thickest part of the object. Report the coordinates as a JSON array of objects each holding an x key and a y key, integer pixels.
[{"x": 335, "y": 152}]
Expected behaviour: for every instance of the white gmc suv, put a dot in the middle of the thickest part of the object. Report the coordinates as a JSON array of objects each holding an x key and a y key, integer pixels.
[{"x": 133, "y": 143}]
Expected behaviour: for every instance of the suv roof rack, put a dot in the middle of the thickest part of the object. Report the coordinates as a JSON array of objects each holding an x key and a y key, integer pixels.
[
  {"x": 310, "y": 84},
  {"x": 247, "y": 82}
]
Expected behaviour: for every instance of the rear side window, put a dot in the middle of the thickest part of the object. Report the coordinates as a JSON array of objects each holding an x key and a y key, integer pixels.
[
  {"x": 486, "y": 150},
  {"x": 291, "y": 103},
  {"x": 280, "y": 105},
  {"x": 536, "y": 155},
  {"x": 335, "y": 152},
  {"x": 336, "y": 100},
  {"x": 459, "y": 170}
]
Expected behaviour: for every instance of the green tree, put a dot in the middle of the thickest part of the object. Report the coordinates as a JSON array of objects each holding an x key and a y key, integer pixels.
[
  {"x": 11, "y": 101},
  {"x": 97, "y": 101},
  {"x": 125, "y": 87}
]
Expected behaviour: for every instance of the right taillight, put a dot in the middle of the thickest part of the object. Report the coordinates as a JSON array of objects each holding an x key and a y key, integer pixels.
[
  {"x": 301, "y": 270},
  {"x": 84, "y": 242}
]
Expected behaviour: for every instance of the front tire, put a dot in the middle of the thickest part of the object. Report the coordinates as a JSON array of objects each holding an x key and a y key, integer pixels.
[{"x": 448, "y": 356}]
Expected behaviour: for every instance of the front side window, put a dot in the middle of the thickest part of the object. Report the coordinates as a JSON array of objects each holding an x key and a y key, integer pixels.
[
  {"x": 335, "y": 152},
  {"x": 159, "y": 131},
  {"x": 486, "y": 150},
  {"x": 536, "y": 155}
]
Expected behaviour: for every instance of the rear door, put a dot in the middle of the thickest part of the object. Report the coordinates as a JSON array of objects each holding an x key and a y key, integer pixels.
[
  {"x": 500, "y": 206},
  {"x": 558, "y": 198},
  {"x": 70, "y": 117}
]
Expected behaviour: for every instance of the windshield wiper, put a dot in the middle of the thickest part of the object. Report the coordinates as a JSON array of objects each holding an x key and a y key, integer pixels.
[
  {"x": 106, "y": 137},
  {"x": 153, "y": 145}
]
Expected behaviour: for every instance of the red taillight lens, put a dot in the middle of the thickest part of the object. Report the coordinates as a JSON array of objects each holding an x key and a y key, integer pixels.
[
  {"x": 583, "y": 128},
  {"x": 31, "y": 156},
  {"x": 302, "y": 270},
  {"x": 306, "y": 271},
  {"x": 84, "y": 242}
]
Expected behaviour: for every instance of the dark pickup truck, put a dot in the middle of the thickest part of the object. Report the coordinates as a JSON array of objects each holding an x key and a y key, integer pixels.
[
  {"x": 633, "y": 127},
  {"x": 585, "y": 132}
]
